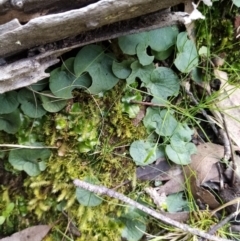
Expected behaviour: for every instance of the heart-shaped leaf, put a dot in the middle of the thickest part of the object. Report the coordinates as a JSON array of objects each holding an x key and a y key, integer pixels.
[
  {"x": 122, "y": 70},
  {"x": 164, "y": 83},
  {"x": 10, "y": 122},
  {"x": 158, "y": 40},
  {"x": 30, "y": 103},
  {"x": 187, "y": 57},
  {"x": 93, "y": 60},
  {"x": 52, "y": 104},
  {"x": 141, "y": 72},
  {"x": 62, "y": 83},
  {"x": 32, "y": 161},
  {"x": 145, "y": 153},
  {"x": 9, "y": 102},
  {"x": 87, "y": 198}
]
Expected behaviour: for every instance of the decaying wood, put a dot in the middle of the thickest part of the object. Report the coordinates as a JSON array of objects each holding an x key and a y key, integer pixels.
[
  {"x": 31, "y": 70},
  {"x": 42, "y": 30},
  {"x": 54, "y": 27}
]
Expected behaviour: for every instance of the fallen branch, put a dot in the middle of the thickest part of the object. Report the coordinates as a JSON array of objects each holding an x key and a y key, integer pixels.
[
  {"x": 105, "y": 191},
  {"x": 59, "y": 26},
  {"x": 28, "y": 71}
]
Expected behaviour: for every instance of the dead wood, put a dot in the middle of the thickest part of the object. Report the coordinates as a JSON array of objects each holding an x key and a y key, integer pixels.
[
  {"x": 47, "y": 36},
  {"x": 30, "y": 70},
  {"x": 54, "y": 27}
]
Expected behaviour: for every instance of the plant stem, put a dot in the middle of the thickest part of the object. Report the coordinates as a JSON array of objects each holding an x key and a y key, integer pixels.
[
  {"x": 146, "y": 103},
  {"x": 101, "y": 190}
]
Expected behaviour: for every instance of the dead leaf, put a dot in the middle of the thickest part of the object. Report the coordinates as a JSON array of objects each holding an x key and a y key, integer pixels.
[
  {"x": 175, "y": 184},
  {"x": 139, "y": 116},
  {"x": 179, "y": 216},
  {"x": 203, "y": 169},
  {"x": 35, "y": 233},
  {"x": 228, "y": 103},
  {"x": 153, "y": 171}
]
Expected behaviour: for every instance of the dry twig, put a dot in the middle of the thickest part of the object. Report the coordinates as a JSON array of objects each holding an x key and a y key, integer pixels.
[{"x": 101, "y": 190}]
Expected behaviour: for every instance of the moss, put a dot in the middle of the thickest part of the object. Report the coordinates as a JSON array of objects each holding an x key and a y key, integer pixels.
[{"x": 93, "y": 134}]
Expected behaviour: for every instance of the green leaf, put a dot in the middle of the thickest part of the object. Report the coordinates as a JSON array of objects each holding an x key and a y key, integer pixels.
[
  {"x": 149, "y": 117},
  {"x": 93, "y": 60},
  {"x": 30, "y": 103},
  {"x": 2, "y": 220},
  {"x": 134, "y": 226},
  {"x": 176, "y": 203},
  {"x": 52, "y": 104},
  {"x": 62, "y": 83},
  {"x": 68, "y": 65},
  {"x": 143, "y": 57},
  {"x": 9, "y": 102},
  {"x": 183, "y": 158},
  {"x": 8, "y": 210},
  {"x": 180, "y": 150},
  {"x": 10, "y": 122},
  {"x": 187, "y": 57},
  {"x": 87, "y": 198},
  {"x": 40, "y": 85},
  {"x": 197, "y": 75},
  {"x": 122, "y": 70},
  {"x": 141, "y": 72},
  {"x": 237, "y": 3},
  {"x": 128, "y": 43},
  {"x": 127, "y": 106},
  {"x": 162, "y": 55},
  {"x": 166, "y": 123},
  {"x": 28, "y": 160},
  {"x": 145, "y": 153},
  {"x": 158, "y": 40},
  {"x": 164, "y": 83}
]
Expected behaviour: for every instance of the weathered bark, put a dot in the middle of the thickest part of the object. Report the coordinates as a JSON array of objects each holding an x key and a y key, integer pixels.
[
  {"x": 28, "y": 71},
  {"x": 46, "y": 37},
  {"x": 54, "y": 27}
]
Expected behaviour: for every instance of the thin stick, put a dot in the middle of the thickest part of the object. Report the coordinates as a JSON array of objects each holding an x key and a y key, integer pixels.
[
  {"x": 28, "y": 147},
  {"x": 204, "y": 113},
  {"x": 223, "y": 222},
  {"x": 234, "y": 166},
  {"x": 146, "y": 103},
  {"x": 106, "y": 191}
]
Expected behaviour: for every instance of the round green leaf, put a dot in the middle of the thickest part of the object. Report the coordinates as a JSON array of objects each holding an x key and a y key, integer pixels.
[
  {"x": 128, "y": 43},
  {"x": 148, "y": 119},
  {"x": 162, "y": 55},
  {"x": 183, "y": 157},
  {"x": 10, "y": 122},
  {"x": 40, "y": 85},
  {"x": 30, "y": 104},
  {"x": 68, "y": 65},
  {"x": 187, "y": 57},
  {"x": 164, "y": 83},
  {"x": 122, "y": 70},
  {"x": 143, "y": 57},
  {"x": 93, "y": 60},
  {"x": 166, "y": 123},
  {"x": 62, "y": 83},
  {"x": 87, "y": 198},
  {"x": 51, "y": 104},
  {"x": 9, "y": 102},
  {"x": 28, "y": 160},
  {"x": 141, "y": 72},
  {"x": 134, "y": 226},
  {"x": 145, "y": 153}
]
